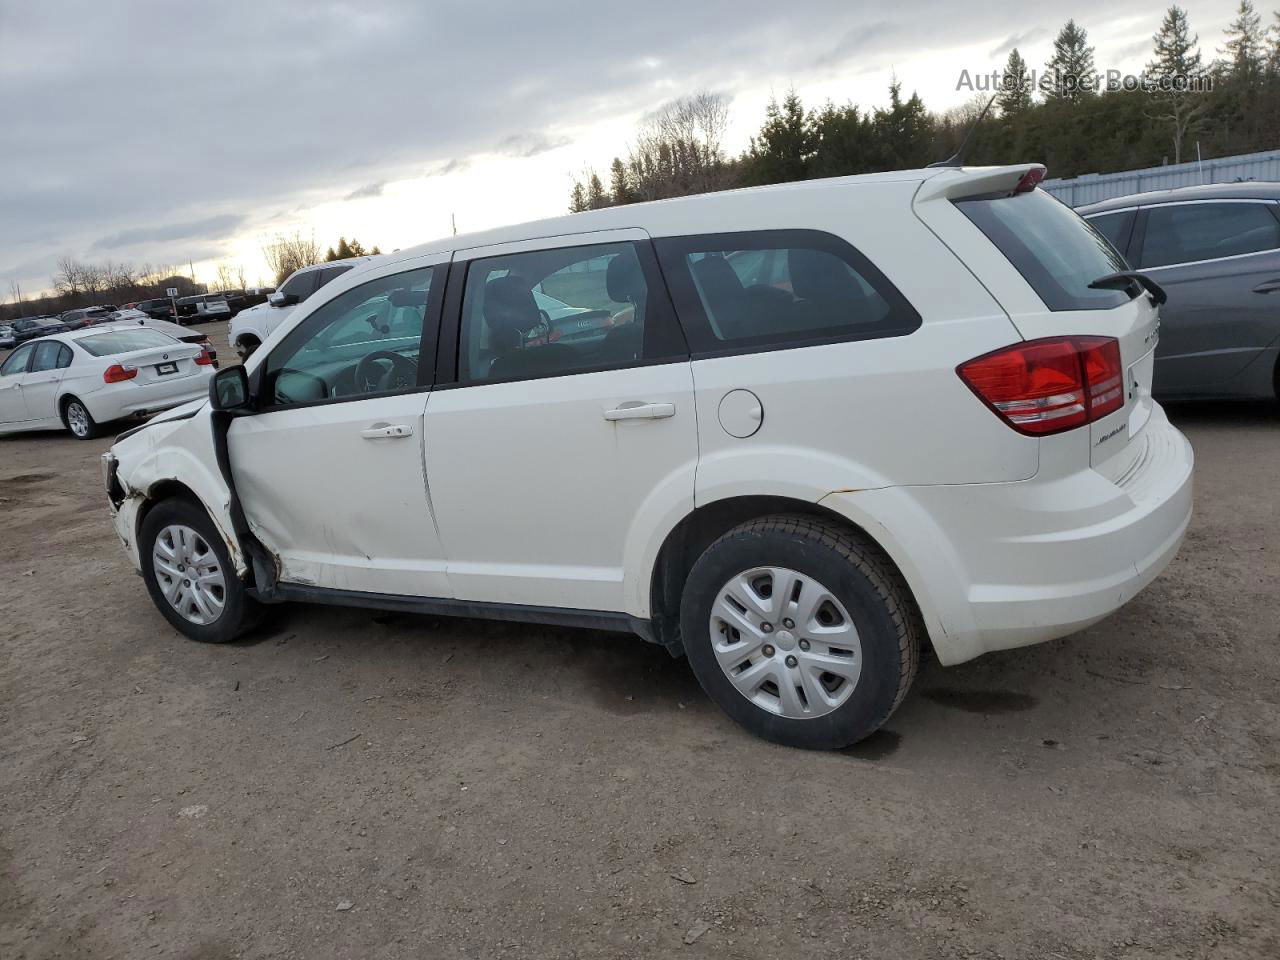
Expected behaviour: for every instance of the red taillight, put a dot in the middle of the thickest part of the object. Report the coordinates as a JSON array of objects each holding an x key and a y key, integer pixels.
[
  {"x": 1047, "y": 386},
  {"x": 1030, "y": 180},
  {"x": 117, "y": 374},
  {"x": 203, "y": 358}
]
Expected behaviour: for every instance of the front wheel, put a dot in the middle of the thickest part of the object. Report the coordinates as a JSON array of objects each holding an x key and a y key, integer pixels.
[
  {"x": 190, "y": 576},
  {"x": 800, "y": 631}
]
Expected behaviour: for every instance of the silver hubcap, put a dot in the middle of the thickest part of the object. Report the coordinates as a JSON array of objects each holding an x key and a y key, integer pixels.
[
  {"x": 785, "y": 642},
  {"x": 189, "y": 574},
  {"x": 78, "y": 419}
]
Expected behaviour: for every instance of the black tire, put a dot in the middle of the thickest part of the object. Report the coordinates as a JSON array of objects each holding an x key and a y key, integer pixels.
[
  {"x": 240, "y": 612},
  {"x": 859, "y": 576},
  {"x": 245, "y": 347},
  {"x": 79, "y": 423}
]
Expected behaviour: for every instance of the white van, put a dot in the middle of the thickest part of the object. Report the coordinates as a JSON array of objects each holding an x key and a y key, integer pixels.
[
  {"x": 792, "y": 433},
  {"x": 250, "y": 327}
]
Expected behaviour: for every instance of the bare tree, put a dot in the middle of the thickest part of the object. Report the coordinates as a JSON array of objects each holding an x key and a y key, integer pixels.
[
  {"x": 679, "y": 149},
  {"x": 285, "y": 254},
  {"x": 227, "y": 275}
]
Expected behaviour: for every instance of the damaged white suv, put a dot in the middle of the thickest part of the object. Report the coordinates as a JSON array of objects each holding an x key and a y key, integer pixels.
[{"x": 792, "y": 433}]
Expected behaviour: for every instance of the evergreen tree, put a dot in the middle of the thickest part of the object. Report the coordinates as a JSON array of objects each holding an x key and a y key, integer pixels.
[
  {"x": 780, "y": 152},
  {"x": 1015, "y": 94},
  {"x": 843, "y": 141},
  {"x": 330, "y": 256},
  {"x": 619, "y": 188},
  {"x": 1175, "y": 67},
  {"x": 577, "y": 198},
  {"x": 1245, "y": 44},
  {"x": 596, "y": 197},
  {"x": 904, "y": 132},
  {"x": 1070, "y": 70}
]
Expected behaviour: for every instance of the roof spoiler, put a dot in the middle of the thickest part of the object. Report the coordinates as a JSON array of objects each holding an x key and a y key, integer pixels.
[{"x": 959, "y": 183}]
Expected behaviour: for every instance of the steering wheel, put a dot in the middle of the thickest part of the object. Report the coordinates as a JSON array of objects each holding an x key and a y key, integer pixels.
[{"x": 384, "y": 370}]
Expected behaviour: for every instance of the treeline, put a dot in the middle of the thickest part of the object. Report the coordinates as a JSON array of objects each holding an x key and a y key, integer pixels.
[
  {"x": 80, "y": 283},
  {"x": 1066, "y": 115}
]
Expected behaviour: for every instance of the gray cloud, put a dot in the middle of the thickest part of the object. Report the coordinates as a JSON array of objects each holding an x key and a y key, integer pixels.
[
  {"x": 529, "y": 144},
  {"x": 1023, "y": 39},
  {"x": 208, "y": 228},
  {"x": 456, "y": 165},
  {"x": 368, "y": 190}
]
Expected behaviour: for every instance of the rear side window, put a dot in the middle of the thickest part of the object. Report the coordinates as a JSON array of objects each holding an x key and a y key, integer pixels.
[
  {"x": 46, "y": 358},
  {"x": 329, "y": 275},
  {"x": 125, "y": 341},
  {"x": 779, "y": 288},
  {"x": 1057, "y": 252},
  {"x": 1187, "y": 232}
]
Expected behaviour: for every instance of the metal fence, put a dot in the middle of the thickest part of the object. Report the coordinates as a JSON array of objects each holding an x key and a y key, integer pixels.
[{"x": 1092, "y": 187}]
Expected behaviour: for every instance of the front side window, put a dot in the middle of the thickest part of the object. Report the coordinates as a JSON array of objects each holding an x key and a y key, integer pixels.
[
  {"x": 779, "y": 288},
  {"x": 300, "y": 285},
  {"x": 1187, "y": 232},
  {"x": 364, "y": 342},
  {"x": 1057, "y": 252},
  {"x": 552, "y": 312},
  {"x": 18, "y": 360}
]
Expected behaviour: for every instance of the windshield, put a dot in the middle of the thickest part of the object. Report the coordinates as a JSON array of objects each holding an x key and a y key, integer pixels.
[
  {"x": 1057, "y": 252},
  {"x": 125, "y": 341}
]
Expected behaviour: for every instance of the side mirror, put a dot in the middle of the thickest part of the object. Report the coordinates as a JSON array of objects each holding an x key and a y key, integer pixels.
[
  {"x": 279, "y": 299},
  {"x": 229, "y": 390}
]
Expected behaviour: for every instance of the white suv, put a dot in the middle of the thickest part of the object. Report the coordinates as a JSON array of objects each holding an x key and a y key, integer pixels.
[
  {"x": 794, "y": 433},
  {"x": 250, "y": 327}
]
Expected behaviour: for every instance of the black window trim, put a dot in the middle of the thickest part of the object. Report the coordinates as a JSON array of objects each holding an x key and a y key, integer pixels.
[
  {"x": 426, "y": 346},
  {"x": 447, "y": 357},
  {"x": 1139, "y": 238},
  {"x": 672, "y": 254}
]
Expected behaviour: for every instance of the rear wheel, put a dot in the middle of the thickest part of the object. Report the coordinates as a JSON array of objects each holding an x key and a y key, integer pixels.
[
  {"x": 190, "y": 576},
  {"x": 800, "y": 631},
  {"x": 76, "y": 417}
]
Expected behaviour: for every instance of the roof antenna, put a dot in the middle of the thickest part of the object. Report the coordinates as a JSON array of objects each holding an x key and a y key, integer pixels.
[{"x": 957, "y": 158}]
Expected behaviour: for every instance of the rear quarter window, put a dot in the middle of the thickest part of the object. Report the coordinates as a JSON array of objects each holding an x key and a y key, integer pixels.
[
  {"x": 773, "y": 289},
  {"x": 1054, "y": 250}
]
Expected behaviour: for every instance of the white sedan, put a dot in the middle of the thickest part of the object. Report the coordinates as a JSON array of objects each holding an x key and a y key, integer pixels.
[{"x": 82, "y": 378}]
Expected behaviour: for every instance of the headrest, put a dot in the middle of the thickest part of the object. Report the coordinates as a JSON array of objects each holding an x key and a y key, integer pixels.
[
  {"x": 624, "y": 281},
  {"x": 509, "y": 304},
  {"x": 817, "y": 275}
]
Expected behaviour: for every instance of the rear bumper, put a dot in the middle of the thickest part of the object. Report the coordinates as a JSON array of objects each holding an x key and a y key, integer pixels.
[
  {"x": 1002, "y": 565},
  {"x": 152, "y": 398}
]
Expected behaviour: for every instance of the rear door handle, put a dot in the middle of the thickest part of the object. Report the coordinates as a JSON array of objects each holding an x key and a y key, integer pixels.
[
  {"x": 387, "y": 431},
  {"x": 638, "y": 410},
  {"x": 1268, "y": 286}
]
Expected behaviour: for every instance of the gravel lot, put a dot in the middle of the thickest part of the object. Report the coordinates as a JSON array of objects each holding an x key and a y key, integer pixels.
[{"x": 365, "y": 785}]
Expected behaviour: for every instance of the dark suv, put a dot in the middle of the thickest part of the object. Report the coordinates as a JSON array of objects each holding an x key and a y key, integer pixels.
[
  {"x": 159, "y": 308},
  {"x": 1216, "y": 251}
]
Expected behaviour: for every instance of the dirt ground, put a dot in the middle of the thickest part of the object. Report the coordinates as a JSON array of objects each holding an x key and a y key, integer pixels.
[{"x": 362, "y": 785}]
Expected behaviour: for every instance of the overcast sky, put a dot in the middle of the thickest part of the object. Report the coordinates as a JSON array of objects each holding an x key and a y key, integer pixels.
[{"x": 164, "y": 132}]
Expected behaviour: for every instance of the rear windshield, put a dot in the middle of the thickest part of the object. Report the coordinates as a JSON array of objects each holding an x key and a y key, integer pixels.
[
  {"x": 1056, "y": 252},
  {"x": 125, "y": 341}
]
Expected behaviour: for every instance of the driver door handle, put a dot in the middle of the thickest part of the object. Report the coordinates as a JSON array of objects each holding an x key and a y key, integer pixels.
[
  {"x": 387, "y": 431},
  {"x": 1267, "y": 286},
  {"x": 637, "y": 410}
]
